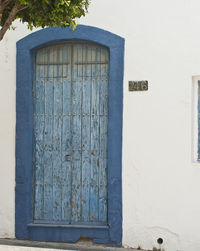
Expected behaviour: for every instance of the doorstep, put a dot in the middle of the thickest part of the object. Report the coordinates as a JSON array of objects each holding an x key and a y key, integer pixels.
[{"x": 82, "y": 245}]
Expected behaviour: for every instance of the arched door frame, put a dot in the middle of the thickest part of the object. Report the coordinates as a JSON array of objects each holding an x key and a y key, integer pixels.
[{"x": 24, "y": 228}]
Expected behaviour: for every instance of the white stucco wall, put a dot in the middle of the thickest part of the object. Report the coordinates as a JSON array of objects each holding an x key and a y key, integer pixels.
[{"x": 161, "y": 180}]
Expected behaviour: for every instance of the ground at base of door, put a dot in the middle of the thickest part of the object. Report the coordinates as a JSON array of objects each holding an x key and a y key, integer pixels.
[{"x": 26, "y": 245}]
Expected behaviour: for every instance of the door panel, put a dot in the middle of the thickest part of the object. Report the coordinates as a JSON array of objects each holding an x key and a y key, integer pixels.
[{"x": 70, "y": 131}]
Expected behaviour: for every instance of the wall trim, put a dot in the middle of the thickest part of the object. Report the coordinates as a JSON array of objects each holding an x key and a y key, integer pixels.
[{"x": 24, "y": 229}]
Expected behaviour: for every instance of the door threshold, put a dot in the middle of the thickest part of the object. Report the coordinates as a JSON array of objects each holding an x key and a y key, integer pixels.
[{"x": 87, "y": 246}]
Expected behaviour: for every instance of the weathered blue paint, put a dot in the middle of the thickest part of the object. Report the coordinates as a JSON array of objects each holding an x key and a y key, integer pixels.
[
  {"x": 60, "y": 195},
  {"x": 112, "y": 235}
]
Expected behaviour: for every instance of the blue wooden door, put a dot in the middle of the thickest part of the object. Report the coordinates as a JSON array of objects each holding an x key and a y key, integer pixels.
[{"x": 70, "y": 131}]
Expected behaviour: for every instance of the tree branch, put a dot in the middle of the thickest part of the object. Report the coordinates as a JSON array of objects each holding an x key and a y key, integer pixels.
[
  {"x": 5, "y": 2},
  {"x": 1, "y": 10},
  {"x": 22, "y": 8},
  {"x": 16, "y": 8}
]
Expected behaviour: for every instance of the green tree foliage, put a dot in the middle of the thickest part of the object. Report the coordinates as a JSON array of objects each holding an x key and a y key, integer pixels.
[{"x": 41, "y": 13}]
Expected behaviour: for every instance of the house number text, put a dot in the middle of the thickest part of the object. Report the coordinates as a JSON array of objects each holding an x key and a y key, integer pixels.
[{"x": 138, "y": 85}]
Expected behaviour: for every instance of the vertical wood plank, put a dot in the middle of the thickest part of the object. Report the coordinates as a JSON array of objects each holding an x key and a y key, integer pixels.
[
  {"x": 94, "y": 140},
  {"x": 66, "y": 137},
  {"x": 86, "y": 163},
  {"x": 57, "y": 125},
  {"x": 66, "y": 170},
  {"x": 39, "y": 134},
  {"x": 76, "y": 137},
  {"x": 48, "y": 121},
  {"x": 104, "y": 83},
  {"x": 39, "y": 129},
  {"x": 48, "y": 172},
  {"x": 103, "y": 169},
  {"x": 39, "y": 90},
  {"x": 103, "y": 136}
]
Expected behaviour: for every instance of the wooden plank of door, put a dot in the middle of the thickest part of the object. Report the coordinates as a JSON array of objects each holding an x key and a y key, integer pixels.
[
  {"x": 103, "y": 136},
  {"x": 57, "y": 125},
  {"x": 48, "y": 147},
  {"x": 76, "y": 136},
  {"x": 39, "y": 132},
  {"x": 86, "y": 165},
  {"x": 66, "y": 136},
  {"x": 39, "y": 128},
  {"x": 94, "y": 183}
]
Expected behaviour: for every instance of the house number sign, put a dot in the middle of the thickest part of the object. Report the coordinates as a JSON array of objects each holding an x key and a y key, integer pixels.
[{"x": 138, "y": 85}]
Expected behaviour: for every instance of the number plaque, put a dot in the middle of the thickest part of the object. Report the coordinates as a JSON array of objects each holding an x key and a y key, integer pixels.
[{"x": 138, "y": 85}]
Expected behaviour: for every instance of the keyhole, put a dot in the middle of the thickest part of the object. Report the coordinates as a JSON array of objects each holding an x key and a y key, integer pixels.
[{"x": 67, "y": 157}]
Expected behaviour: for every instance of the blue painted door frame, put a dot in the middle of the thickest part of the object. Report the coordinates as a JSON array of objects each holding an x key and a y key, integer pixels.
[{"x": 111, "y": 234}]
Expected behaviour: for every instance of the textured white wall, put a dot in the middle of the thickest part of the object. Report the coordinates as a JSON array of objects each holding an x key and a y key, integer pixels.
[{"x": 161, "y": 180}]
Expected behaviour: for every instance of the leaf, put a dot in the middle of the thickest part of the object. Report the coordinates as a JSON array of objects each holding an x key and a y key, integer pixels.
[{"x": 45, "y": 13}]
